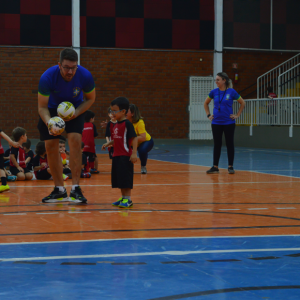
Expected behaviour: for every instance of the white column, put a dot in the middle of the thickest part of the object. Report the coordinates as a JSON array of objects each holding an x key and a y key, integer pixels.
[
  {"x": 218, "y": 55},
  {"x": 76, "y": 27}
]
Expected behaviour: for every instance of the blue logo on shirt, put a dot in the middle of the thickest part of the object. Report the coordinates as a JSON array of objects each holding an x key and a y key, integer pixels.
[
  {"x": 227, "y": 97},
  {"x": 76, "y": 92}
]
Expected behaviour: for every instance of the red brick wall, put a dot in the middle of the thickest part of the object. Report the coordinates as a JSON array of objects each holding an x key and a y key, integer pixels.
[
  {"x": 156, "y": 81},
  {"x": 251, "y": 64}
]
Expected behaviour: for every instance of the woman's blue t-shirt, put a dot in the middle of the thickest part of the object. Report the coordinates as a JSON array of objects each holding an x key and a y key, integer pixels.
[
  {"x": 223, "y": 110},
  {"x": 53, "y": 85}
]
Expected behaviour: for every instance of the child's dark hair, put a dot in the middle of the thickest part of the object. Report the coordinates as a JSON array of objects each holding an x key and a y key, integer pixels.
[
  {"x": 27, "y": 145},
  {"x": 17, "y": 133},
  {"x": 62, "y": 142},
  {"x": 40, "y": 148},
  {"x": 82, "y": 145},
  {"x": 121, "y": 102},
  {"x": 88, "y": 116},
  {"x": 136, "y": 113}
]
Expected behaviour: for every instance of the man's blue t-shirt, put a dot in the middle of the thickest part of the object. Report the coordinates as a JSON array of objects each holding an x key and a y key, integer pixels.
[
  {"x": 223, "y": 110},
  {"x": 53, "y": 85}
]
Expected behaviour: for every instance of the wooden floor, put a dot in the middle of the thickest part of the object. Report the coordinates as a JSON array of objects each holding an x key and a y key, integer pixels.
[{"x": 172, "y": 200}]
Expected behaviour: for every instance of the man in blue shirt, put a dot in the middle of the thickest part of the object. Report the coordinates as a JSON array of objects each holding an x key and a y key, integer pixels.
[{"x": 65, "y": 82}]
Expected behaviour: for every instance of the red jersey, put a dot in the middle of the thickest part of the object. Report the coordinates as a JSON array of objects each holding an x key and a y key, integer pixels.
[
  {"x": 122, "y": 134},
  {"x": 88, "y": 137},
  {"x": 1, "y": 147},
  {"x": 38, "y": 160},
  {"x": 19, "y": 154}
]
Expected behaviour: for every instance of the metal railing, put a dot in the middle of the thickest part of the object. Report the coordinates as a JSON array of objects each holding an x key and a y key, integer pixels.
[
  {"x": 277, "y": 111},
  {"x": 271, "y": 77},
  {"x": 287, "y": 82}
]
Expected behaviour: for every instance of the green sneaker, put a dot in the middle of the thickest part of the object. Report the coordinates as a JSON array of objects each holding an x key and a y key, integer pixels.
[
  {"x": 125, "y": 203},
  {"x": 117, "y": 203}
]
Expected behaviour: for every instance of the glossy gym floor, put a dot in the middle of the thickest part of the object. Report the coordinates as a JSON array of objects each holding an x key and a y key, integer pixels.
[{"x": 189, "y": 235}]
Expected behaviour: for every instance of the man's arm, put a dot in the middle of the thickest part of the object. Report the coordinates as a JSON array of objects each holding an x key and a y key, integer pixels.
[
  {"x": 8, "y": 139},
  {"x": 43, "y": 108},
  {"x": 85, "y": 105}
]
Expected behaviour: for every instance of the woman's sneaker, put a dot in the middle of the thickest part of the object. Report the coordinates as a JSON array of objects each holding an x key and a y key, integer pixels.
[
  {"x": 117, "y": 203},
  {"x": 76, "y": 196},
  {"x": 56, "y": 196},
  {"x": 143, "y": 170},
  {"x": 231, "y": 170},
  {"x": 213, "y": 170}
]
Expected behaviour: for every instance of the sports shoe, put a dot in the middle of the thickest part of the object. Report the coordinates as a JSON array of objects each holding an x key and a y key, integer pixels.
[
  {"x": 56, "y": 196},
  {"x": 213, "y": 170},
  {"x": 11, "y": 178},
  {"x": 65, "y": 177},
  {"x": 231, "y": 170},
  {"x": 4, "y": 188},
  {"x": 117, "y": 203},
  {"x": 125, "y": 203},
  {"x": 76, "y": 196},
  {"x": 143, "y": 170},
  {"x": 94, "y": 171}
]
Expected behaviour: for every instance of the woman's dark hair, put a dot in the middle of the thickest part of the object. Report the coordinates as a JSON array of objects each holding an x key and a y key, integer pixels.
[
  {"x": 17, "y": 133},
  {"x": 68, "y": 54},
  {"x": 40, "y": 148},
  {"x": 136, "y": 113},
  {"x": 121, "y": 102},
  {"x": 228, "y": 81},
  {"x": 27, "y": 144},
  {"x": 88, "y": 116}
]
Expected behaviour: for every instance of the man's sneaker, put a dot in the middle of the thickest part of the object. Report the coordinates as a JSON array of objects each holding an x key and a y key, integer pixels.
[
  {"x": 94, "y": 171},
  {"x": 56, "y": 196},
  {"x": 4, "y": 188},
  {"x": 76, "y": 196},
  {"x": 213, "y": 170},
  {"x": 125, "y": 203},
  {"x": 143, "y": 170},
  {"x": 231, "y": 170},
  {"x": 11, "y": 178},
  {"x": 117, "y": 203},
  {"x": 65, "y": 177}
]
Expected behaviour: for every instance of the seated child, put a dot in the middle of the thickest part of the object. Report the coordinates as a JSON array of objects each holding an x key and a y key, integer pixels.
[
  {"x": 88, "y": 137},
  {"x": 17, "y": 156},
  {"x": 40, "y": 163},
  {"x": 109, "y": 128},
  {"x": 28, "y": 154},
  {"x": 85, "y": 170},
  {"x": 66, "y": 169}
]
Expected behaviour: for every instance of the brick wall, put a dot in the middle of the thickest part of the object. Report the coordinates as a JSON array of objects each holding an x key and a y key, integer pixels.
[
  {"x": 156, "y": 81},
  {"x": 251, "y": 64}
]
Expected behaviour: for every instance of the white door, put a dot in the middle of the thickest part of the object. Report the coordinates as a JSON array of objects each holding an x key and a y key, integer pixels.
[{"x": 200, "y": 125}]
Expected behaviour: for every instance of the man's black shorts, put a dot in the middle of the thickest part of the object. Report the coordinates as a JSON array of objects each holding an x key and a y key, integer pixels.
[
  {"x": 90, "y": 155},
  {"x": 122, "y": 172},
  {"x": 75, "y": 125},
  {"x": 43, "y": 175},
  {"x": 15, "y": 171},
  {"x": 1, "y": 161}
]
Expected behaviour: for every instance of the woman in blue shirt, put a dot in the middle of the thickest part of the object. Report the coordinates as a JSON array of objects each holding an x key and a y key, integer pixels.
[{"x": 223, "y": 119}]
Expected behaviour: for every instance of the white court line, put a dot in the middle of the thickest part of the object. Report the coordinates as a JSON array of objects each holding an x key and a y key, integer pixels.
[
  {"x": 169, "y": 184},
  {"x": 79, "y": 212},
  {"x": 51, "y": 213},
  {"x": 147, "y": 254},
  {"x": 136, "y": 211},
  {"x": 229, "y": 209},
  {"x": 108, "y": 212},
  {"x": 285, "y": 208},
  {"x": 257, "y": 208},
  {"x": 21, "y": 214},
  {"x": 204, "y": 209},
  {"x": 155, "y": 238}
]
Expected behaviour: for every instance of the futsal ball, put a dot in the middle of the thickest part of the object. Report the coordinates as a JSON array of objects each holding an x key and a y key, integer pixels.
[
  {"x": 56, "y": 126},
  {"x": 65, "y": 110}
]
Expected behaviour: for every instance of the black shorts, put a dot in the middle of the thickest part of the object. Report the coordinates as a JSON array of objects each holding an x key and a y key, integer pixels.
[
  {"x": 91, "y": 156},
  {"x": 15, "y": 171},
  {"x": 122, "y": 172},
  {"x": 42, "y": 175},
  {"x": 1, "y": 161},
  {"x": 75, "y": 125}
]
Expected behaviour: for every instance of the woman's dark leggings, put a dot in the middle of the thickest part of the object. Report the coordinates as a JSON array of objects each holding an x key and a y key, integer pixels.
[
  {"x": 143, "y": 150},
  {"x": 217, "y": 131}
]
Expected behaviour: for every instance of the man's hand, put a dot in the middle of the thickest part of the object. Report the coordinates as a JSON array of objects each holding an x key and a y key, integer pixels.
[
  {"x": 133, "y": 158},
  {"x": 15, "y": 144},
  {"x": 74, "y": 116},
  {"x": 233, "y": 117}
]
